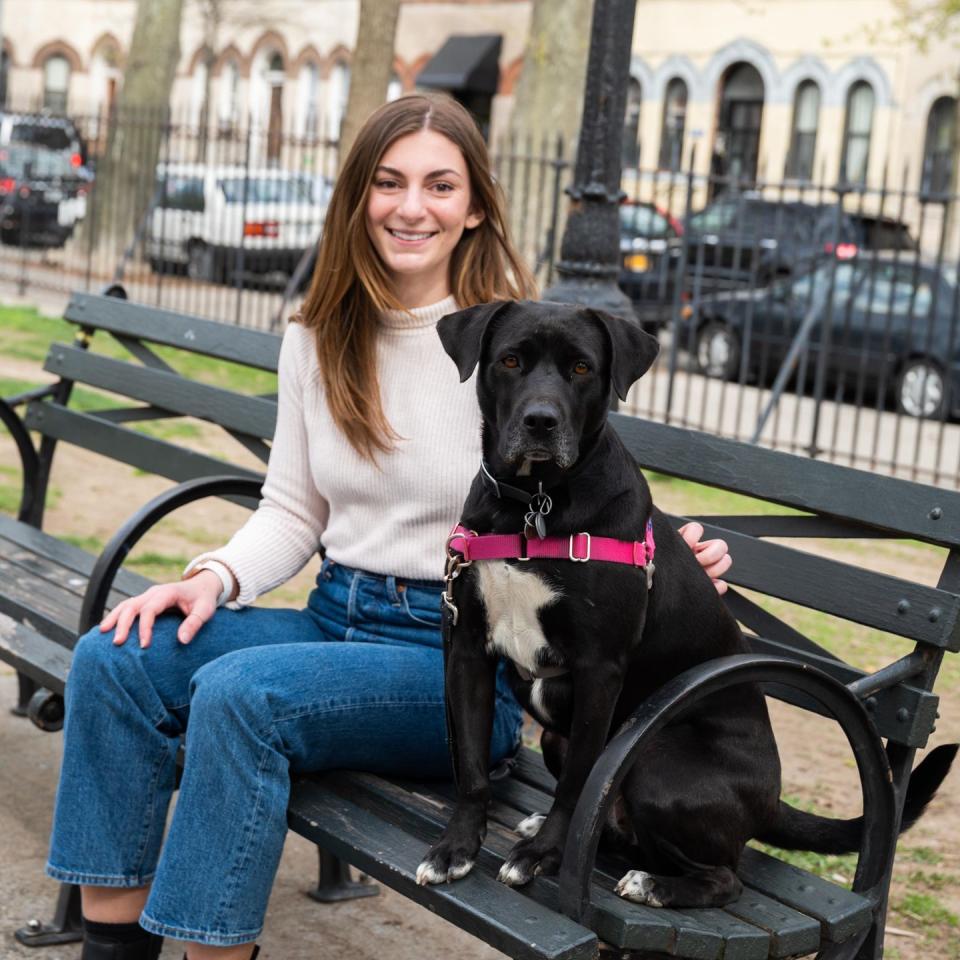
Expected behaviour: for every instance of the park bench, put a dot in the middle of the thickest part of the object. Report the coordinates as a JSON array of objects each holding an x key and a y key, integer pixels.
[{"x": 52, "y": 590}]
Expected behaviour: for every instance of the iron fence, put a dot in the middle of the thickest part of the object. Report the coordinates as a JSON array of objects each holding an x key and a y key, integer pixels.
[{"x": 818, "y": 318}]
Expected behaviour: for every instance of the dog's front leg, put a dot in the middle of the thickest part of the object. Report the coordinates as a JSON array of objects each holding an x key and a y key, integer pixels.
[
  {"x": 596, "y": 689},
  {"x": 470, "y": 690}
]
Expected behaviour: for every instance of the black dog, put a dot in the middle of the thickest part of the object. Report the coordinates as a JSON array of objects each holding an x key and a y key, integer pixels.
[{"x": 588, "y": 642}]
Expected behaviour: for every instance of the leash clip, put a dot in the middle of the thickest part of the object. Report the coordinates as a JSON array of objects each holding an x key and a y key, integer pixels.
[
  {"x": 575, "y": 559},
  {"x": 455, "y": 563}
]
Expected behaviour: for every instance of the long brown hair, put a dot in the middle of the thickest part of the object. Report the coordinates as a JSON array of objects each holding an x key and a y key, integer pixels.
[{"x": 351, "y": 286}]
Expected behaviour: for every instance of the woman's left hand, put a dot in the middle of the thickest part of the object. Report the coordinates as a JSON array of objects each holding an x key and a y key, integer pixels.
[{"x": 712, "y": 555}]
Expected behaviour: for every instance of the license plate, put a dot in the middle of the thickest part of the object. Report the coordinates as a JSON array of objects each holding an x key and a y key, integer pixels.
[{"x": 636, "y": 262}]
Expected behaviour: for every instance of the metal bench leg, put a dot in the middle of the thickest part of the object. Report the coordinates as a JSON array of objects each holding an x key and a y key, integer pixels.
[
  {"x": 26, "y": 689},
  {"x": 335, "y": 882},
  {"x": 67, "y": 925}
]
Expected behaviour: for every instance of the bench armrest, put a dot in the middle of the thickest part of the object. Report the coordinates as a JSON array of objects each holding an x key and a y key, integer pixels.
[
  {"x": 29, "y": 459},
  {"x": 880, "y": 806},
  {"x": 123, "y": 541}
]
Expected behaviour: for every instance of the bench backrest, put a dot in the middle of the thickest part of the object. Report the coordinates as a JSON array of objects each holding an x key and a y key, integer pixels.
[{"x": 833, "y": 501}]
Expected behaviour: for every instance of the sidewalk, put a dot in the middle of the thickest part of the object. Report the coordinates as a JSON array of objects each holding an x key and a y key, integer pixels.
[{"x": 296, "y": 928}]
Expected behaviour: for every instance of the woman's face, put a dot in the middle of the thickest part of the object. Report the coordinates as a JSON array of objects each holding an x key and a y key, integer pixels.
[{"x": 418, "y": 207}]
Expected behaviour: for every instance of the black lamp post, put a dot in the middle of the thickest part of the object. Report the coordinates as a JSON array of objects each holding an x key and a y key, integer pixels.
[{"x": 590, "y": 250}]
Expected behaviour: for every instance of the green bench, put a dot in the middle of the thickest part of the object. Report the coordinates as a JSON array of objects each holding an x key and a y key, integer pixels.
[{"x": 51, "y": 591}]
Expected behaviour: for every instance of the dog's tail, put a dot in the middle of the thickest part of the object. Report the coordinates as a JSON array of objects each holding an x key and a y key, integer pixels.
[{"x": 798, "y": 830}]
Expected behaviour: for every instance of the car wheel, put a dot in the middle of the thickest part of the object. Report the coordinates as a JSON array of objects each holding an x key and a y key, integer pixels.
[
  {"x": 200, "y": 262},
  {"x": 718, "y": 351},
  {"x": 921, "y": 390}
]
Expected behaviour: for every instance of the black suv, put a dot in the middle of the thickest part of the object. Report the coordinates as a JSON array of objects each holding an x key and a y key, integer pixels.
[{"x": 42, "y": 195}]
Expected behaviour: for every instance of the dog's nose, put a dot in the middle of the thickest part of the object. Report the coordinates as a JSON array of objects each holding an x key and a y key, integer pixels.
[{"x": 540, "y": 418}]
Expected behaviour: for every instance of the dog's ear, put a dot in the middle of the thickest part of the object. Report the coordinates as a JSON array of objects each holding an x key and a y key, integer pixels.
[
  {"x": 632, "y": 351},
  {"x": 461, "y": 333}
]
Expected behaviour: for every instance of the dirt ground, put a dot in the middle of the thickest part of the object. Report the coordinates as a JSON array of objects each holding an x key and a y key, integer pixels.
[{"x": 93, "y": 496}]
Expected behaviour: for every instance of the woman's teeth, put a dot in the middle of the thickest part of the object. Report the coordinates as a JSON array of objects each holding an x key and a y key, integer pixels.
[{"x": 400, "y": 235}]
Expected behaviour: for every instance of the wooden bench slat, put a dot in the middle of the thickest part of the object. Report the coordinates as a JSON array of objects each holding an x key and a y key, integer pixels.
[
  {"x": 252, "y": 348},
  {"x": 66, "y": 555},
  {"x": 170, "y": 391},
  {"x": 841, "y": 913},
  {"x": 791, "y": 933},
  {"x": 901, "y": 507},
  {"x": 127, "y": 446},
  {"x": 40, "y": 658},
  {"x": 861, "y": 596},
  {"x": 478, "y": 903}
]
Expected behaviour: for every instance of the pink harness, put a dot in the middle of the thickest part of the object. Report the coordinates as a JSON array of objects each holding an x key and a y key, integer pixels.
[{"x": 578, "y": 547}]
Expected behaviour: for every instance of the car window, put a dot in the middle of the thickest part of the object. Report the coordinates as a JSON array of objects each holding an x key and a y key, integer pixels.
[
  {"x": 816, "y": 284},
  {"x": 182, "y": 193},
  {"x": 639, "y": 220},
  {"x": 718, "y": 216},
  {"x": 17, "y": 158},
  {"x": 52, "y": 136},
  {"x": 895, "y": 290},
  {"x": 265, "y": 190}
]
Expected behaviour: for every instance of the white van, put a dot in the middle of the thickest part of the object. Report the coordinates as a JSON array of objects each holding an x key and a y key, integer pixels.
[{"x": 215, "y": 220}]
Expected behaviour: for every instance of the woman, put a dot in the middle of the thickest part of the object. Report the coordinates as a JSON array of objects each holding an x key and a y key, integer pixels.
[{"x": 375, "y": 446}]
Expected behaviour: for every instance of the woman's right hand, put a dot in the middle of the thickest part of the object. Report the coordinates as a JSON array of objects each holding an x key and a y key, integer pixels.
[{"x": 195, "y": 598}]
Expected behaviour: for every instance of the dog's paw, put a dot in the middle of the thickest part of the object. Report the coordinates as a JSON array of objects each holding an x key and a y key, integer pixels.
[
  {"x": 640, "y": 887},
  {"x": 441, "y": 867},
  {"x": 526, "y": 860},
  {"x": 530, "y": 827}
]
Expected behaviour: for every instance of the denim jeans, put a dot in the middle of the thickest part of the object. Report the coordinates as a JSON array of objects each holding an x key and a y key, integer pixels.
[{"x": 353, "y": 681}]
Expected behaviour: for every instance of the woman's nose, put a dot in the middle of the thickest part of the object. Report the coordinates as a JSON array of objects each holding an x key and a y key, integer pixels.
[{"x": 412, "y": 204}]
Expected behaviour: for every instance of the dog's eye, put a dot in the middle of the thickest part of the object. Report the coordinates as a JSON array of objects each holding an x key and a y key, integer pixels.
[
  {"x": 510, "y": 362},
  {"x": 581, "y": 367}
]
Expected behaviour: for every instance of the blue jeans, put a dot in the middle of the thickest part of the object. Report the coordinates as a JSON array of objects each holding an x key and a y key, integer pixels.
[{"x": 353, "y": 681}]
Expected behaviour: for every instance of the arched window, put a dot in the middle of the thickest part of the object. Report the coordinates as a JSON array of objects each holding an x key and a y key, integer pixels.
[
  {"x": 4, "y": 75},
  {"x": 674, "y": 119},
  {"x": 56, "y": 83},
  {"x": 803, "y": 136},
  {"x": 228, "y": 110},
  {"x": 337, "y": 92},
  {"x": 631, "y": 124},
  {"x": 308, "y": 92},
  {"x": 856, "y": 134},
  {"x": 939, "y": 146}
]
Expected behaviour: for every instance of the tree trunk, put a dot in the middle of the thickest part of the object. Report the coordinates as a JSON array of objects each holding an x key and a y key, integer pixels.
[
  {"x": 126, "y": 174},
  {"x": 547, "y": 103},
  {"x": 372, "y": 66}
]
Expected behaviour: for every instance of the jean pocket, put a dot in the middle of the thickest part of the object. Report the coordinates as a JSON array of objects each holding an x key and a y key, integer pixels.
[{"x": 423, "y": 607}]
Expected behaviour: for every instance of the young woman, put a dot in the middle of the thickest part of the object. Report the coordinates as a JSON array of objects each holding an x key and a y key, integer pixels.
[{"x": 375, "y": 446}]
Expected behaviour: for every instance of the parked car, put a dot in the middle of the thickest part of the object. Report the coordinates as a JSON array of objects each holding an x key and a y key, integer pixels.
[
  {"x": 43, "y": 195},
  {"x": 59, "y": 134},
  {"x": 204, "y": 215},
  {"x": 650, "y": 254},
  {"x": 746, "y": 240},
  {"x": 893, "y": 322}
]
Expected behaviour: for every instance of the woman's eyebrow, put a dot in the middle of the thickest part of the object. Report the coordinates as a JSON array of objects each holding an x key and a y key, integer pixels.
[{"x": 432, "y": 175}]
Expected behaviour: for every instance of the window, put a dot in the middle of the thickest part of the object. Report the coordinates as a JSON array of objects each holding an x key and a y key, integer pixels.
[
  {"x": 631, "y": 124},
  {"x": 674, "y": 118},
  {"x": 182, "y": 193},
  {"x": 338, "y": 90},
  {"x": 938, "y": 147},
  {"x": 56, "y": 82},
  {"x": 266, "y": 190},
  {"x": 308, "y": 90},
  {"x": 803, "y": 137},
  {"x": 856, "y": 134},
  {"x": 229, "y": 95},
  {"x": 899, "y": 291},
  {"x": 643, "y": 220}
]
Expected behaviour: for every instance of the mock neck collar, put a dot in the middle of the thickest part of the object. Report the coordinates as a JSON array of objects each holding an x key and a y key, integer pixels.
[{"x": 418, "y": 317}]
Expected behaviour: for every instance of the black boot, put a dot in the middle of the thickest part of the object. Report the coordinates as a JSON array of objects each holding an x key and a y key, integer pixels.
[{"x": 119, "y": 941}]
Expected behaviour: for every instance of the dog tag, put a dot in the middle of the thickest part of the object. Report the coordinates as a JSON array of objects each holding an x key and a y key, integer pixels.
[
  {"x": 650, "y": 569},
  {"x": 540, "y": 525}
]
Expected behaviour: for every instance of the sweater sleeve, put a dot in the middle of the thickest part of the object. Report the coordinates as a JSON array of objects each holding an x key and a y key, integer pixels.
[{"x": 283, "y": 533}]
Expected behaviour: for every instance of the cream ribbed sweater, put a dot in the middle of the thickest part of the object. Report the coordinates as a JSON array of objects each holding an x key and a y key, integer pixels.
[{"x": 392, "y": 517}]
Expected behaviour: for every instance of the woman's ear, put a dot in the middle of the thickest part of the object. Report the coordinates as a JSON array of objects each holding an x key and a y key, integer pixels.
[{"x": 474, "y": 219}]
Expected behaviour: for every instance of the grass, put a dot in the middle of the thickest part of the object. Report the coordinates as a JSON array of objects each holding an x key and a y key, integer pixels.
[{"x": 925, "y": 909}]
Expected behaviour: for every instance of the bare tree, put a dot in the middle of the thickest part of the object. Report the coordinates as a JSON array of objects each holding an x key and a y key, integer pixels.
[
  {"x": 372, "y": 66},
  {"x": 125, "y": 174}
]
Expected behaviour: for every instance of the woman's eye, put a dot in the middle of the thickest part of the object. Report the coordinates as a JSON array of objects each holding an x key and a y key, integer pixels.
[
  {"x": 385, "y": 184},
  {"x": 581, "y": 367},
  {"x": 443, "y": 187},
  {"x": 510, "y": 362}
]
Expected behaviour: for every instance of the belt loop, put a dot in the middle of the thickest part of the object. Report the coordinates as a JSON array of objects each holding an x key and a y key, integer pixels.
[{"x": 392, "y": 592}]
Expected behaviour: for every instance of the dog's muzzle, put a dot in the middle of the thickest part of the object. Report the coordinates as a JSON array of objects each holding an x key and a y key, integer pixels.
[{"x": 537, "y": 433}]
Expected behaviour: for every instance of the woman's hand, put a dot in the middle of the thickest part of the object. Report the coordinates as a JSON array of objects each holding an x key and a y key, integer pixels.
[
  {"x": 195, "y": 598},
  {"x": 712, "y": 555}
]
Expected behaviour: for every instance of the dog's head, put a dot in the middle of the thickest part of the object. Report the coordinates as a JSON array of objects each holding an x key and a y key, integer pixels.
[{"x": 546, "y": 371}]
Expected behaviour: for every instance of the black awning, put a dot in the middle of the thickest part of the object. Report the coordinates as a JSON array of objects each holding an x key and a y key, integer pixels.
[{"x": 469, "y": 64}]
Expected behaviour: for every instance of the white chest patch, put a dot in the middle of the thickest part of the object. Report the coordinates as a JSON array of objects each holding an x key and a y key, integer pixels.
[{"x": 512, "y": 598}]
